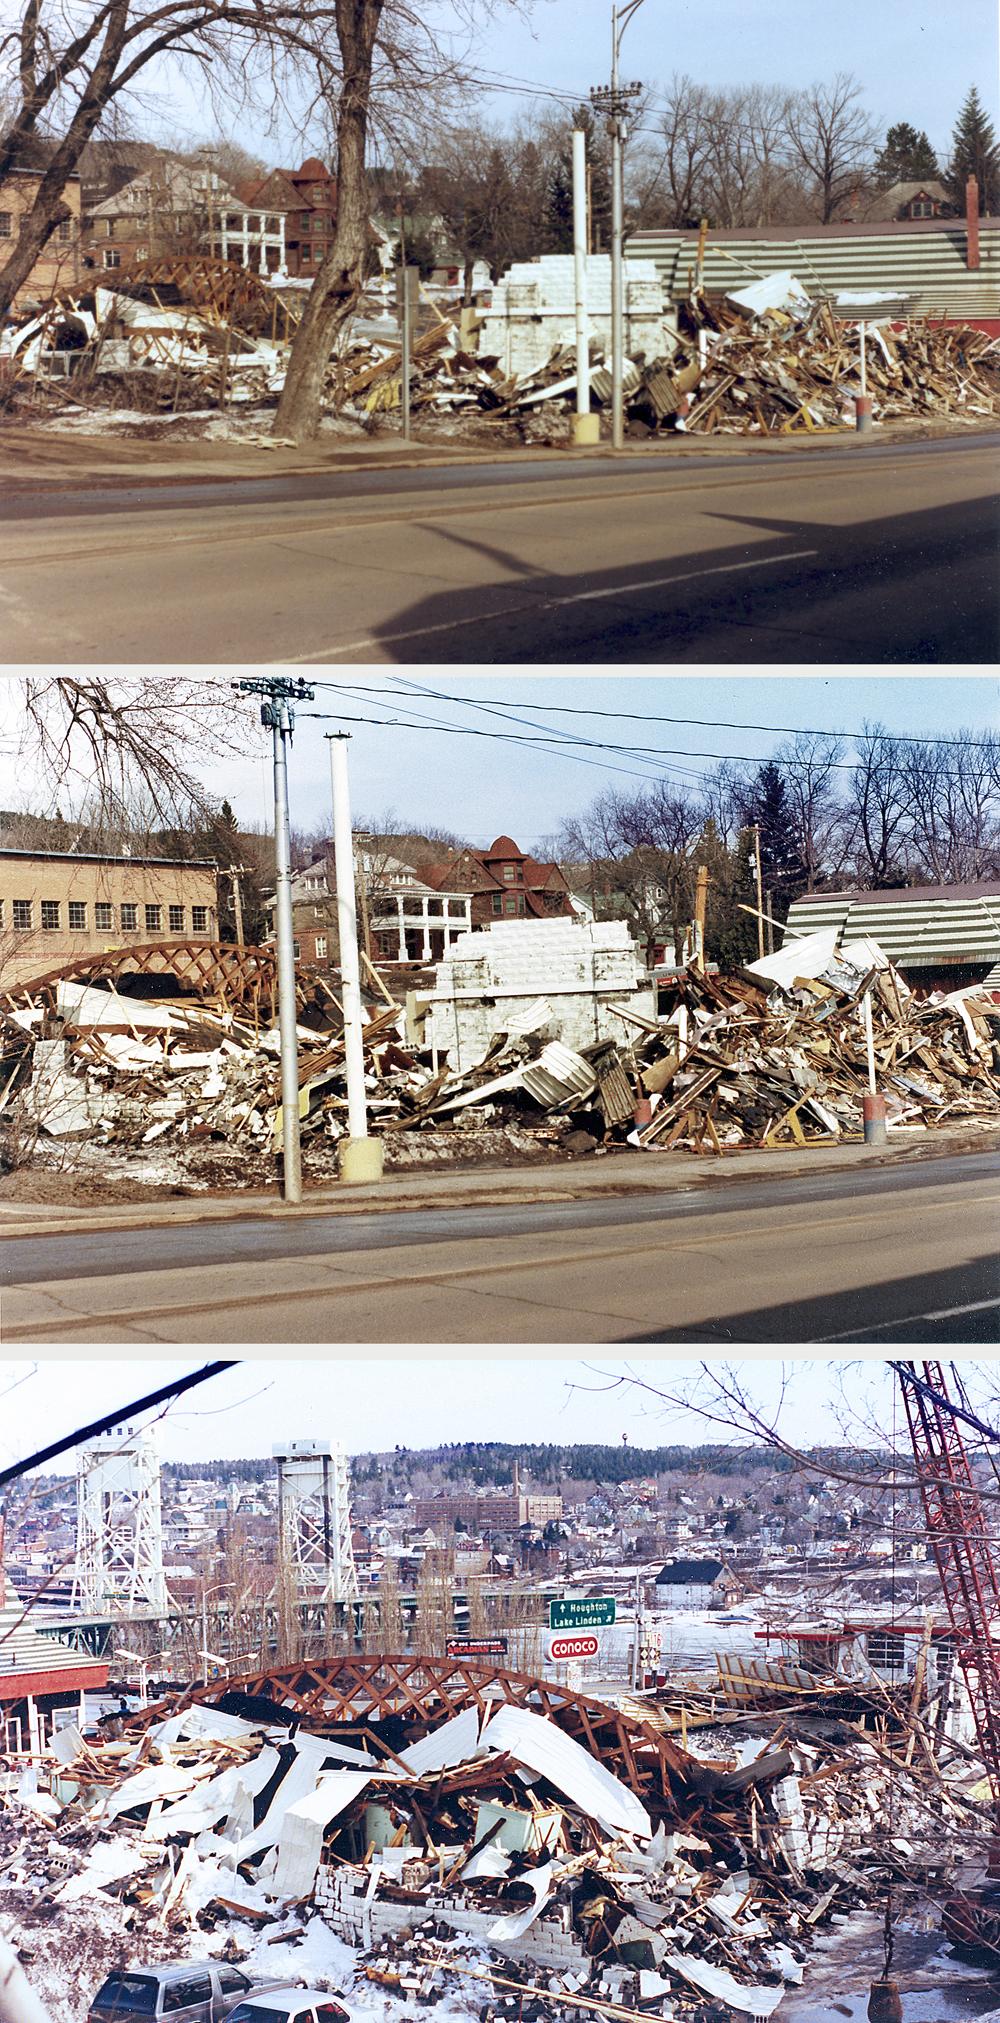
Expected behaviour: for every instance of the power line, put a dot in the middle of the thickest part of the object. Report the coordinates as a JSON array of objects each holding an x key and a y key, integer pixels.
[
  {"x": 83, "y": 1433},
  {"x": 647, "y": 716},
  {"x": 562, "y": 745}
]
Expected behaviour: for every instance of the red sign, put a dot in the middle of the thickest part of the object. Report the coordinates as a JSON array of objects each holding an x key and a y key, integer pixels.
[{"x": 561, "y": 1648}]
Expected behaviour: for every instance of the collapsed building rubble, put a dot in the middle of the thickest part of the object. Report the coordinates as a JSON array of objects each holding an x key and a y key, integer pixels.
[
  {"x": 768, "y": 359},
  {"x": 498, "y": 1835},
  {"x": 774, "y": 1055}
]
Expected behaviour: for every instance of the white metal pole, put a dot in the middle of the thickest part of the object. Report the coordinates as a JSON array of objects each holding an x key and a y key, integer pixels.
[
  {"x": 580, "y": 270},
  {"x": 864, "y": 363},
  {"x": 869, "y": 1041},
  {"x": 286, "y": 965},
  {"x": 617, "y": 335},
  {"x": 347, "y": 924}
]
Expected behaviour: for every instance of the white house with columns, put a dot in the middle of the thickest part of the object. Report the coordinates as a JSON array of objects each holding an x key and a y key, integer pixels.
[{"x": 408, "y": 921}]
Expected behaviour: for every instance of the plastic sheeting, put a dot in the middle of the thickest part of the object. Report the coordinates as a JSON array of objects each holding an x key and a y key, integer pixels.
[
  {"x": 543, "y": 1747},
  {"x": 303, "y": 1828}
]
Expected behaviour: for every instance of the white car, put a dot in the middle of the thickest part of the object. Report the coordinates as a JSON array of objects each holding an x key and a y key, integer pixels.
[{"x": 298, "y": 2005}]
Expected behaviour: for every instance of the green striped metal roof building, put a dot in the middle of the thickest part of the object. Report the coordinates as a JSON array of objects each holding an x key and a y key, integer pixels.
[
  {"x": 924, "y": 929},
  {"x": 923, "y": 258}
]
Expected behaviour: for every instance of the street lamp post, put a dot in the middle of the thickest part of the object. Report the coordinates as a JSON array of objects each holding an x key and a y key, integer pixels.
[{"x": 615, "y": 103}]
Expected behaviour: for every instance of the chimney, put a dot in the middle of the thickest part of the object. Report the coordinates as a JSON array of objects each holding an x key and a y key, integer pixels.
[{"x": 972, "y": 225}]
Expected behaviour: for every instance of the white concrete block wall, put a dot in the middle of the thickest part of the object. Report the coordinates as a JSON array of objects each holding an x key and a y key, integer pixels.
[
  {"x": 534, "y": 310},
  {"x": 549, "y": 1943},
  {"x": 577, "y": 965}
]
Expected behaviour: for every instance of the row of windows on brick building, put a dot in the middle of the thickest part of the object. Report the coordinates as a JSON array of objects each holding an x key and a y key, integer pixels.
[
  {"x": 63, "y": 231},
  {"x": 50, "y": 911}
]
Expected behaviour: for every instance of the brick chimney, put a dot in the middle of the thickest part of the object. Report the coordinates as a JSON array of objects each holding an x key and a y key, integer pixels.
[{"x": 972, "y": 225}]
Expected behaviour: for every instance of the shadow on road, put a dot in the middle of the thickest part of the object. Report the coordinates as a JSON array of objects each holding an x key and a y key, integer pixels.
[
  {"x": 918, "y": 587},
  {"x": 961, "y": 1304}
]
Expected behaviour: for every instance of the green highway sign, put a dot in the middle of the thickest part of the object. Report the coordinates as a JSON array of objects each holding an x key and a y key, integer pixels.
[{"x": 589, "y": 1612}]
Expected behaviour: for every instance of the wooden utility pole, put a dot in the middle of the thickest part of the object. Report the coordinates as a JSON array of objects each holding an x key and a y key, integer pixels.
[
  {"x": 700, "y": 896},
  {"x": 760, "y": 900},
  {"x": 235, "y": 871}
]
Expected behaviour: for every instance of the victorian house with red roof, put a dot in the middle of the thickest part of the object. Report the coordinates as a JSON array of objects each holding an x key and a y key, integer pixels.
[{"x": 503, "y": 883}]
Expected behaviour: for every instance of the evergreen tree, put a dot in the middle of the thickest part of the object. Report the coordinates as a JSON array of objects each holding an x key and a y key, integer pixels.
[
  {"x": 559, "y": 199},
  {"x": 224, "y": 836},
  {"x": 907, "y": 157},
  {"x": 974, "y": 153},
  {"x": 782, "y": 865}
]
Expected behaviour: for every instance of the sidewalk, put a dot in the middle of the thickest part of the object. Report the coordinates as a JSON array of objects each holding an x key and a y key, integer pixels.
[
  {"x": 601, "y": 1175},
  {"x": 47, "y": 460}
]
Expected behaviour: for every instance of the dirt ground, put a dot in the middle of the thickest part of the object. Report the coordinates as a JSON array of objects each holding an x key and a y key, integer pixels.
[{"x": 88, "y": 1175}]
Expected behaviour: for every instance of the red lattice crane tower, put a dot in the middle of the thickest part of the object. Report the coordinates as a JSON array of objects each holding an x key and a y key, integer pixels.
[{"x": 964, "y": 1554}]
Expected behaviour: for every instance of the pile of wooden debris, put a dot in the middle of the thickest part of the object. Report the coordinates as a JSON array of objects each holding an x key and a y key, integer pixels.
[{"x": 497, "y": 1837}]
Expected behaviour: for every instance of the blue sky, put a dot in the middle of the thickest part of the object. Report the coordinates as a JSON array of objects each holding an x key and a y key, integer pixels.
[
  {"x": 377, "y": 1401},
  {"x": 472, "y": 758},
  {"x": 481, "y": 786},
  {"x": 910, "y": 65},
  {"x": 913, "y": 62}
]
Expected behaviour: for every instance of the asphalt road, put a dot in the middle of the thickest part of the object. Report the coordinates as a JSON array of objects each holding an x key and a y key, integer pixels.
[
  {"x": 868, "y": 554},
  {"x": 892, "y": 1255}
]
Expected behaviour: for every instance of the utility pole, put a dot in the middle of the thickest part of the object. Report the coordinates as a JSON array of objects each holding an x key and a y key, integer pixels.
[
  {"x": 235, "y": 874},
  {"x": 760, "y": 901},
  {"x": 278, "y": 691},
  {"x": 615, "y": 103}
]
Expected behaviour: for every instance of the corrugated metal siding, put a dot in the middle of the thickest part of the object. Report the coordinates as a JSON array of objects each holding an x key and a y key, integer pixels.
[
  {"x": 928, "y": 264},
  {"x": 915, "y": 934}
]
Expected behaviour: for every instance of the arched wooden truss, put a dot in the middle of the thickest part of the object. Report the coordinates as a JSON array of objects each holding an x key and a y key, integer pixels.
[
  {"x": 352, "y": 1692},
  {"x": 221, "y": 291},
  {"x": 238, "y": 977}
]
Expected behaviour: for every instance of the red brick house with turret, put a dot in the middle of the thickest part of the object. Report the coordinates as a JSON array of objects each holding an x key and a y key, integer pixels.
[{"x": 503, "y": 882}]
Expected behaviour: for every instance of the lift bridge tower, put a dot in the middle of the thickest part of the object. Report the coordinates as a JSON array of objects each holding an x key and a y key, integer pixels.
[
  {"x": 314, "y": 1519},
  {"x": 119, "y": 1539}
]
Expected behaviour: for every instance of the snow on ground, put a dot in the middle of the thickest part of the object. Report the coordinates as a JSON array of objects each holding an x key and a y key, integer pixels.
[
  {"x": 68, "y": 1955},
  {"x": 198, "y": 425}
]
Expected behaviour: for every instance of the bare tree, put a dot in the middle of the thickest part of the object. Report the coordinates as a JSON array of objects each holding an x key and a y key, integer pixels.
[
  {"x": 671, "y": 175},
  {"x": 881, "y": 808},
  {"x": 76, "y": 61},
  {"x": 748, "y": 176},
  {"x": 809, "y": 763},
  {"x": 394, "y": 60},
  {"x": 128, "y": 747},
  {"x": 833, "y": 140},
  {"x": 954, "y": 808},
  {"x": 639, "y": 848}
]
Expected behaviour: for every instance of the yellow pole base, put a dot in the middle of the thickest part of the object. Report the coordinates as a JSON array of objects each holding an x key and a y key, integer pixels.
[
  {"x": 359, "y": 1160},
  {"x": 586, "y": 429}
]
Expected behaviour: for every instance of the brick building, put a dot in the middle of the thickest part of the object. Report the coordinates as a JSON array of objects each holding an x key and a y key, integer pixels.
[
  {"x": 59, "y": 263},
  {"x": 55, "y": 907},
  {"x": 499, "y": 1511},
  {"x": 308, "y": 199},
  {"x": 504, "y": 883}
]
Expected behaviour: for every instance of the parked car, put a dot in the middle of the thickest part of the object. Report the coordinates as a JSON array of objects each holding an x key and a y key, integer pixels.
[
  {"x": 298, "y": 2005},
  {"x": 196, "y": 1991}
]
